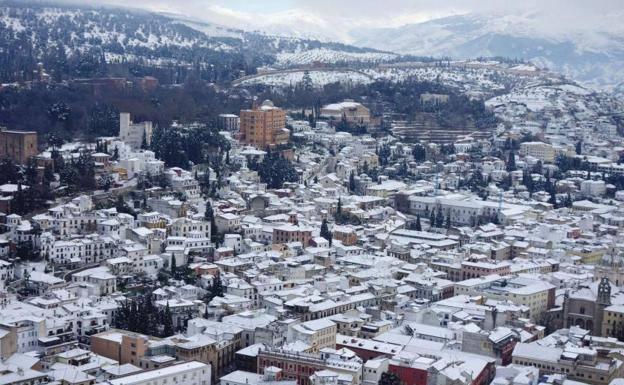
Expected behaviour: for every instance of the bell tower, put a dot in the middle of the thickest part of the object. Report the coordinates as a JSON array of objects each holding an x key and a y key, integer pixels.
[
  {"x": 604, "y": 292},
  {"x": 603, "y": 299}
]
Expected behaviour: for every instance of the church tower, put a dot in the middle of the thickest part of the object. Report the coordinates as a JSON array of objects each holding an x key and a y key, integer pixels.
[
  {"x": 603, "y": 299},
  {"x": 604, "y": 292}
]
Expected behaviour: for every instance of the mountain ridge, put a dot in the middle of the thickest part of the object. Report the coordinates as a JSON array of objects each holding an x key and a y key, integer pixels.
[{"x": 588, "y": 57}]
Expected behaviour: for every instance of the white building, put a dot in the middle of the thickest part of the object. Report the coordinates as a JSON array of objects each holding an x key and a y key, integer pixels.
[
  {"x": 134, "y": 133},
  {"x": 539, "y": 150},
  {"x": 593, "y": 188},
  {"x": 187, "y": 373}
]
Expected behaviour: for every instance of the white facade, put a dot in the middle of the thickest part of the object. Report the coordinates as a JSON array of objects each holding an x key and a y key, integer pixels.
[
  {"x": 188, "y": 373},
  {"x": 134, "y": 133}
]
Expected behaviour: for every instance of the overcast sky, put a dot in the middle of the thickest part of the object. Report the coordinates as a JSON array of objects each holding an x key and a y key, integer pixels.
[{"x": 336, "y": 18}]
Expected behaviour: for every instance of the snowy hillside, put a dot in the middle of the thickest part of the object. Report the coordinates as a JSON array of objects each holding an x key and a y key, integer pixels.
[
  {"x": 595, "y": 57},
  {"x": 80, "y": 41},
  {"x": 319, "y": 78},
  {"x": 324, "y": 55}
]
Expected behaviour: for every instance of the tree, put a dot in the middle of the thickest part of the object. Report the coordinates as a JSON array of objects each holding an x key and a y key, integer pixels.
[
  {"x": 389, "y": 378},
  {"x": 209, "y": 212},
  {"x": 432, "y": 219},
  {"x": 352, "y": 181},
  {"x": 553, "y": 198},
  {"x": 339, "y": 207},
  {"x": 24, "y": 251},
  {"x": 418, "y": 225},
  {"x": 9, "y": 172},
  {"x": 167, "y": 322},
  {"x": 306, "y": 82},
  {"x": 144, "y": 145},
  {"x": 419, "y": 152},
  {"x": 174, "y": 268},
  {"x": 511, "y": 162},
  {"x": 324, "y": 230},
  {"x": 216, "y": 290},
  {"x": 19, "y": 201},
  {"x": 275, "y": 170},
  {"x": 204, "y": 183},
  {"x": 579, "y": 147},
  {"x": 105, "y": 182},
  {"x": 48, "y": 174},
  {"x": 440, "y": 218},
  {"x": 448, "y": 220}
]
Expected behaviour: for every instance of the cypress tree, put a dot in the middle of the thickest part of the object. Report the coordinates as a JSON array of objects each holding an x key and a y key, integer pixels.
[
  {"x": 439, "y": 218},
  {"x": 418, "y": 225},
  {"x": 174, "y": 268},
  {"x": 167, "y": 322},
  {"x": 352, "y": 182},
  {"x": 324, "y": 230},
  {"x": 511, "y": 161}
]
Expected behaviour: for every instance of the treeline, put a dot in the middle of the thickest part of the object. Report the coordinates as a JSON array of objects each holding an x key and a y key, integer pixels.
[
  {"x": 180, "y": 146},
  {"x": 70, "y": 112},
  {"x": 382, "y": 96},
  {"x": 32, "y": 191},
  {"x": 140, "y": 315},
  {"x": 275, "y": 170}
]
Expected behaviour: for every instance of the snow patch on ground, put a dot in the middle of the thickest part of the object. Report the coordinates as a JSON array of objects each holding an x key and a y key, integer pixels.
[
  {"x": 324, "y": 55},
  {"x": 319, "y": 78}
]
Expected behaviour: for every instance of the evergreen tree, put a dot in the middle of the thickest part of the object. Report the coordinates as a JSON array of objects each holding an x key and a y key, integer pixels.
[
  {"x": 324, "y": 229},
  {"x": 418, "y": 225},
  {"x": 339, "y": 207},
  {"x": 144, "y": 145},
  {"x": 216, "y": 290},
  {"x": 440, "y": 218},
  {"x": 167, "y": 322},
  {"x": 204, "y": 183},
  {"x": 275, "y": 170},
  {"x": 174, "y": 268},
  {"x": 432, "y": 219},
  {"x": 19, "y": 201},
  {"x": 48, "y": 174},
  {"x": 306, "y": 82},
  {"x": 579, "y": 147},
  {"x": 511, "y": 162},
  {"x": 553, "y": 198},
  {"x": 352, "y": 181},
  {"x": 9, "y": 172},
  {"x": 389, "y": 378},
  {"x": 419, "y": 153},
  {"x": 448, "y": 220}
]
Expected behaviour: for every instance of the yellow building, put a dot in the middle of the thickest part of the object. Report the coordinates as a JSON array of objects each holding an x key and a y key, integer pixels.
[
  {"x": 318, "y": 334},
  {"x": 264, "y": 126},
  {"x": 613, "y": 321},
  {"x": 352, "y": 112},
  {"x": 590, "y": 255}
]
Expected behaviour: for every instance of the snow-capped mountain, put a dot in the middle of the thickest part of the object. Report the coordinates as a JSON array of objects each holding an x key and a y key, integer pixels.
[{"x": 595, "y": 57}]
